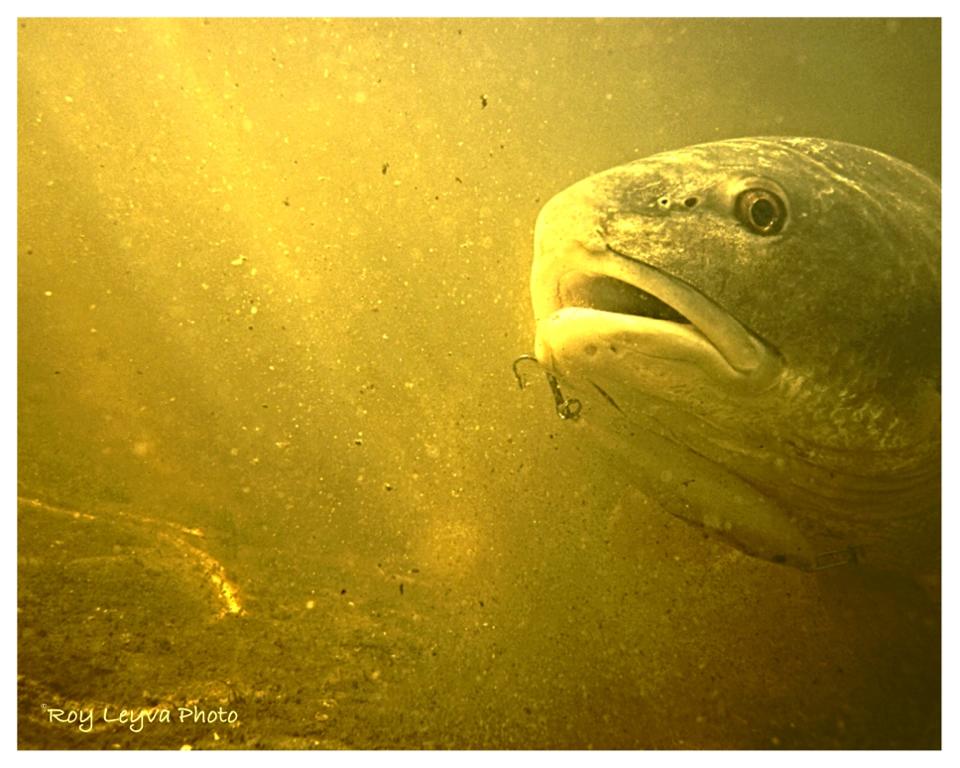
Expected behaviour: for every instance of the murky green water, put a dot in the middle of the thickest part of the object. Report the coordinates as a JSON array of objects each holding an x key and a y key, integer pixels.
[{"x": 273, "y": 460}]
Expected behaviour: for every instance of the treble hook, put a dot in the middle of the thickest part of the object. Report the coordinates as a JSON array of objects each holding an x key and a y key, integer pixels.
[{"x": 567, "y": 408}]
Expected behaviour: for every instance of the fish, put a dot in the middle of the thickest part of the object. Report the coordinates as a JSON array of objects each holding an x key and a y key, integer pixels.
[{"x": 751, "y": 328}]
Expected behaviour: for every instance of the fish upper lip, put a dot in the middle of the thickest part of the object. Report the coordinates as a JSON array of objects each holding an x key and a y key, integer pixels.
[{"x": 622, "y": 284}]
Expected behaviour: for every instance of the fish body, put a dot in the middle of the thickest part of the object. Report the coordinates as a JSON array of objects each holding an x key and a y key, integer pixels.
[{"x": 753, "y": 328}]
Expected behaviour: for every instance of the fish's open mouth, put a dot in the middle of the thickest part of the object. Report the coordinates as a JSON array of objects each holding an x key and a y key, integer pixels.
[
  {"x": 580, "y": 291},
  {"x": 609, "y": 294}
]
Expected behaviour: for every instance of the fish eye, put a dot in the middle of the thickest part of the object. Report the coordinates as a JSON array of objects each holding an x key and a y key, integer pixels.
[{"x": 761, "y": 210}]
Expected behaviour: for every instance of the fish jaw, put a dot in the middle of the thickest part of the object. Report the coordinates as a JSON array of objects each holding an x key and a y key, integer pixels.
[{"x": 588, "y": 296}]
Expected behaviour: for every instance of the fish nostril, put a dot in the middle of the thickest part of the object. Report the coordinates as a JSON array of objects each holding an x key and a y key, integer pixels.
[{"x": 691, "y": 202}]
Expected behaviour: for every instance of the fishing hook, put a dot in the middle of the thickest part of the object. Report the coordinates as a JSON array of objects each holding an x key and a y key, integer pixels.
[
  {"x": 520, "y": 382},
  {"x": 567, "y": 408}
]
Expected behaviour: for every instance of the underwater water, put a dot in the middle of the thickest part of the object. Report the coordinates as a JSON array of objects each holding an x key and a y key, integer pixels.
[{"x": 276, "y": 477}]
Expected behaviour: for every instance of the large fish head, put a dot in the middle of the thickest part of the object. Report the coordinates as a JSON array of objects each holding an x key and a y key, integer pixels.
[{"x": 769, "y": 304}]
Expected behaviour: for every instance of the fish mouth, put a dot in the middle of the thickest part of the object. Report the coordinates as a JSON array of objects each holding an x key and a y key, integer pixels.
[{"x": 611, "y": 294}]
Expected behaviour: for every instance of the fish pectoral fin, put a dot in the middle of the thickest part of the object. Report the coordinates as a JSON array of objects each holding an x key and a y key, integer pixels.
[
  {"x": 735, "y": 511},
  {"x": 762, "y": 532}
]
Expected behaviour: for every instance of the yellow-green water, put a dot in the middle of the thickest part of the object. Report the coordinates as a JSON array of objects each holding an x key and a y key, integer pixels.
[{"x": 272, "y": 457}]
